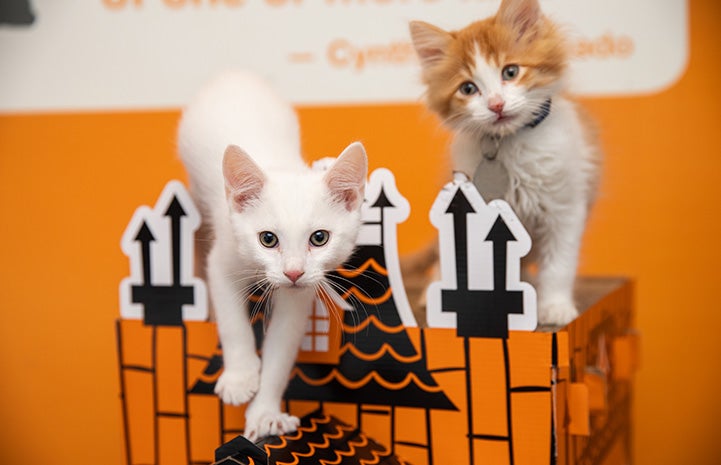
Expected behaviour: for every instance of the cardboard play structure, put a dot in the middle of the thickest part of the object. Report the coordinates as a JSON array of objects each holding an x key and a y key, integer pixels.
[{"x": 474, "y": 384}]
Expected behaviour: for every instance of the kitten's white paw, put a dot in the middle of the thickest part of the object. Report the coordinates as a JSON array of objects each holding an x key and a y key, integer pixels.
[
  {"x": 556, "y": 312},
  {"x": 237, "y": 387},
  {"x": 269, "y": 423}
]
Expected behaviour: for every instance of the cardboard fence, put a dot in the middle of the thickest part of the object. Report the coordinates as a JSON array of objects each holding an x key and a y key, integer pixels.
[{"x": 476, "y": 386}]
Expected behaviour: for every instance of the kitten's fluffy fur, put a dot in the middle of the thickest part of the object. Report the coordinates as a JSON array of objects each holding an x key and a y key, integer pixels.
[
  {"x": 488, "y": 82},
  {"x": 269, "y": 220}
]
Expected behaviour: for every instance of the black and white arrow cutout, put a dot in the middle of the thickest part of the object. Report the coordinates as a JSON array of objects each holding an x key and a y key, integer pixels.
[
  {"x": 480, "y": 244},
  {"x": 161, "y": 288}
]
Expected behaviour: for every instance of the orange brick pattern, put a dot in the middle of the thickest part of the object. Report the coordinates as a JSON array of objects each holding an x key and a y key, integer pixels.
[{"x": 535, "y": 398}]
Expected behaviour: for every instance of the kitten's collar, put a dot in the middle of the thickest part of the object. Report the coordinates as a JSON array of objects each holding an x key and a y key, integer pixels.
[{"x": 541, "y": 114}]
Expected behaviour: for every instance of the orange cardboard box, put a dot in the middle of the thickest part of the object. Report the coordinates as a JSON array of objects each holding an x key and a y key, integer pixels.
[{"x": 418, "y": 396}]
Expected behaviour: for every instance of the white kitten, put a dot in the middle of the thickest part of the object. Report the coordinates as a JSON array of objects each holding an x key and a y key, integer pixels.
[
  {"x": 497, "y": 84},
  {"x": 271, "y": 221}
]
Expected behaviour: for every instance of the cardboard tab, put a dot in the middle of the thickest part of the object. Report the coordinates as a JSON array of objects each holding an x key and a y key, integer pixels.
[
  {"x": 579, "y": 423},
  {"x": 595, "y": 381},
  {"x": 625, "y": 356}
]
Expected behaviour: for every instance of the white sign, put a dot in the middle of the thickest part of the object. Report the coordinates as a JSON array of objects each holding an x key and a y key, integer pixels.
[{"x": 149, "y": 54}]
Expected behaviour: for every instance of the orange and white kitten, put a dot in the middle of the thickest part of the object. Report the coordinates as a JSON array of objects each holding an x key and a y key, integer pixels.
[{"x": 497, "y": 84}]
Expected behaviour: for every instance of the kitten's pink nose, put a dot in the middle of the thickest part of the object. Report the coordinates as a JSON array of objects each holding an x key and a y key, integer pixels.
[
  {"x": 495, "y": 104},
  {"x": 294, "y": 275}
]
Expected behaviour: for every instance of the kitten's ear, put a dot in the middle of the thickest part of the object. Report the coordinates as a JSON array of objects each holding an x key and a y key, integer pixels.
[
  {"x": 519, "y": 14},
  {"x": 244, "y": 180},
  {"x": 346, "y": 179},
  {"x": 431, "y": 42}
]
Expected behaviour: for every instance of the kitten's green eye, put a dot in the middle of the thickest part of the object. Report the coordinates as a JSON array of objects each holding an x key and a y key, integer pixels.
[
  {"x": 468, "y": 88},
  {"x": 510, "y": 72},
  {"x": 268, "y": 239},
  {"x": 319, "y": 238}
]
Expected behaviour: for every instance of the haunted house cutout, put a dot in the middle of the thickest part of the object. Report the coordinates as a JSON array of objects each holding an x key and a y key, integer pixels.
[
  {"x": 379, "y": 365},
  {"x": 498, "y": 394}
]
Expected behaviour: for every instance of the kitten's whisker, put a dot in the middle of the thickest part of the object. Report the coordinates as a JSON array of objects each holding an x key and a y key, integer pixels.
[
  {"x": 243, "y": 296},
  {"x": 355, "y": 285},
  {"x": 367, "y": 273},
  {"x": 328, "y": 301},
  {"x": 337, "y": 312},
  {"x": 340, "y": 316},
  {"x": 355, "y": 302}
]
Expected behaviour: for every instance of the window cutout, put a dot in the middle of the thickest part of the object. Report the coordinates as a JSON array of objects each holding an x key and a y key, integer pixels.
[{"x": 321, "y": 343}]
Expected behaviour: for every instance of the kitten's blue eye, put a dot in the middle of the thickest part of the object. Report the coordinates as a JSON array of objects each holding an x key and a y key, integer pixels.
[
  {"x": 510, "y": 72},
  {"x": 268, "y": 239},
  {"x": 468, "y": 88},
  {"x": 319, "y": 238}
]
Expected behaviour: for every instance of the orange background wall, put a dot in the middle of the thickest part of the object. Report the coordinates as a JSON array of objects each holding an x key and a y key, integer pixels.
[{"x": 70, "y": 183}]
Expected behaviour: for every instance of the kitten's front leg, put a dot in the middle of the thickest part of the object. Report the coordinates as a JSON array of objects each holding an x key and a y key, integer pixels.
[
  {"x": 241, "y": 366},
  {"x": 466, "y": 153},
  {"x": 558, "y": 259},
  {"x": 289, "y": 317}
]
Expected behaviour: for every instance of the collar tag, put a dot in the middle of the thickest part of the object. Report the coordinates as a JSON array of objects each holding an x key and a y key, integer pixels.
[{"x": 491, "y": 179}]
